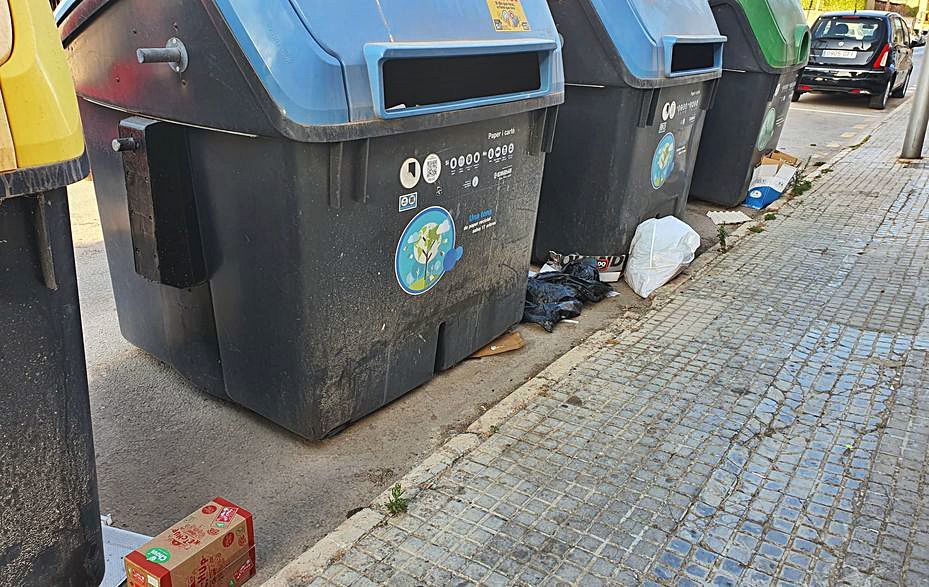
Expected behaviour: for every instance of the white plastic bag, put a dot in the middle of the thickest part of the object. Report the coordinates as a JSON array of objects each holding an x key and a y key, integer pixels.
[{"x": 660, "y": 249}]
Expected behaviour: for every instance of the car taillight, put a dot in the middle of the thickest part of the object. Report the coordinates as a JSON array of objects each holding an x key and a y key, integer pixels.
[
  {"x": 804, "y": 88},
  {"x": 881, "y": 61}
]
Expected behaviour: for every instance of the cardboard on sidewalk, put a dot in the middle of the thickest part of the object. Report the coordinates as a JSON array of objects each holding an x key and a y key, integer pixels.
[
  {"x": 771, "y": 178},
  {"x": 212, "y": 547}
]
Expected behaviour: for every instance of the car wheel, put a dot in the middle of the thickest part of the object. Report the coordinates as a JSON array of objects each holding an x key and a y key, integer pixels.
[
  {"x": 901, "y": 91},
  {"x": 879, "y": 102},
  {"x": 796, "y": 97}
]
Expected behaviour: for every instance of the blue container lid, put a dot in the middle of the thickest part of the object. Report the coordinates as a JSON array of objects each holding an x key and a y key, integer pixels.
[
  {"x": 321, "y": 61},
  {"x": 645, "y": 34}
]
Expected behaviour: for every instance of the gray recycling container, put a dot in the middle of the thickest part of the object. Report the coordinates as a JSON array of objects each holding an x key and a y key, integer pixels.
[
  {"x": 314, "y": 221},
  {"x": 50, "y": 532},
  {"x": 769, "y": 43},
  {"x": 50, "y": 527},
  {"x": 639, "y": 79}
]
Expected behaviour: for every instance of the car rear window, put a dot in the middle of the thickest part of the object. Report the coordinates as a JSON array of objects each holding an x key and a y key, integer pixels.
[{"x": 852, "y": 28}]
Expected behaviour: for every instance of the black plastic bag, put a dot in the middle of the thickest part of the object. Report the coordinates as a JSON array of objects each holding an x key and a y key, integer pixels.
[
  {"x": 549, "y": 303},
  {"x": 559, "y": 295},
  {"x": 583, "y": 269}
]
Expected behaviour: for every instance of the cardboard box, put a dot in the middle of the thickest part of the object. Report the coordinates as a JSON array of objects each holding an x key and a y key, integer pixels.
[
  {"x": 785, "y": 158},
  {"x": 771, "y": 178},
  {"x": 610, "y": 267},
  {"x": 212, "y": 547}
]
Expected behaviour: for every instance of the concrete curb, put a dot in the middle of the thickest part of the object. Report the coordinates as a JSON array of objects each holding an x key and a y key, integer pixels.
[{"x": 313, "y": 562}]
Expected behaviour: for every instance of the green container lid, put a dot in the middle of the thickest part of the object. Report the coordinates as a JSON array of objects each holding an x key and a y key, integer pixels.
[{"x": 781, "y": 29}]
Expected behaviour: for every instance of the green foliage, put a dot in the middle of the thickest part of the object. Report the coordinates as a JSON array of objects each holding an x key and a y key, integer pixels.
[
  {"x": 425, "y": 247},
  {"x": 906, "y": 9},
  {"x": 397, "y": 504},
  {"x": 770, "y": 216},
  {"x": 801, "y": 186},
  {"x": 827, "y": 5},
  {"x": 757, "y": 229},
  {"x": 722, "y": 233}
]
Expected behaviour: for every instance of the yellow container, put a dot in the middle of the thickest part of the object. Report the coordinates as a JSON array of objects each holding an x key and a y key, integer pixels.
[{"x": 42, "y": 118}]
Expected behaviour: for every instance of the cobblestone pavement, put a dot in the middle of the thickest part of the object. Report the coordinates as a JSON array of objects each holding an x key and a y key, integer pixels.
[{"x": 767, "y": 425}]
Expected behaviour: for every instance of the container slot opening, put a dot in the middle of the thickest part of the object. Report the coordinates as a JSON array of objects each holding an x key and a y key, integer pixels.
[
  {"x": 693, "y": 56},
  {"x": 805, "y": 45},
  {"x": 425, "y": 81},
  {"x": 440, "y": 349}
]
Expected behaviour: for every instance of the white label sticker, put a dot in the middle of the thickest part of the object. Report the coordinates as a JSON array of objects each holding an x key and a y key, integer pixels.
[
  {"x": 432, "y": 168},
  {"x": 504, "y": 173},
  {"x": 410, "y": 172}
]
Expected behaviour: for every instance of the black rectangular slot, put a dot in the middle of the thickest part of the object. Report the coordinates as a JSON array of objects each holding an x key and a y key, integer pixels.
[
  {"x": 693, "y": 57},
  {"x": 424, "y": 81}
]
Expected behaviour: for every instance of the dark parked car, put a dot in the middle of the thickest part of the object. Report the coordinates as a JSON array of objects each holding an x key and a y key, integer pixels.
[{"x": 865, "y": 52}]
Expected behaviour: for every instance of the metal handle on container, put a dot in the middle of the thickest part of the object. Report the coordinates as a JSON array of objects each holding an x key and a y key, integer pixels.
[
  {"x": 174, "y": 54},
  {"x": 124, "y": 144}
]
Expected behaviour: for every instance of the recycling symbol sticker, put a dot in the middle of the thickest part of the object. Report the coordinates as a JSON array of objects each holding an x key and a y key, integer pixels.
[
  {"x": 663, "y": 161},
  {"x": 767, "y": 129},
  {"x": 426, "y": 251}
]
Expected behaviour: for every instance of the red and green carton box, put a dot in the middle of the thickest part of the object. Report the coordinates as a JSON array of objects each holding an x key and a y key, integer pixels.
[{"x": 212, "y": 547}]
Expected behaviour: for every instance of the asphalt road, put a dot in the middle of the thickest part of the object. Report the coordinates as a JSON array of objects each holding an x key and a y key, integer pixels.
[
  {"x": 164, "y": 448},
  {"x": 820, "y": 125}
]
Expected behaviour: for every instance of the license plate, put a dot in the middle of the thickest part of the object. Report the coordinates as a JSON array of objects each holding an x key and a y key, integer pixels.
[{"x": 840, "y": 53}]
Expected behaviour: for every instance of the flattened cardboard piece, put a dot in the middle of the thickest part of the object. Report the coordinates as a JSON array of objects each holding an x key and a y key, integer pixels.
[{"x": 509, "y": 342}]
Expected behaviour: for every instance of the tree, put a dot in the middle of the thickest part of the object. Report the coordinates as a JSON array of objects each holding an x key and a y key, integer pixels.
[{"x": 427, "y": 244}]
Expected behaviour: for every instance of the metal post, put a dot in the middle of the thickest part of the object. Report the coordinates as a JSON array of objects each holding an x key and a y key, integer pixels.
[
  {"x": 919, "y": 116},
  {"x": 174, "y": 54}
]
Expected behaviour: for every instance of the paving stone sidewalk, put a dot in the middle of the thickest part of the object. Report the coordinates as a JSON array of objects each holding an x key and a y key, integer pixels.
[{"x": 767, "y": 425}]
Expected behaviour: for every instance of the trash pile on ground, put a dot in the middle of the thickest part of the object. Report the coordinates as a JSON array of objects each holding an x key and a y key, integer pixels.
[
  {"x": 661, "y": 248},
  {"x": 553, "y": 296},
  {"x": 771, "y": 179}
]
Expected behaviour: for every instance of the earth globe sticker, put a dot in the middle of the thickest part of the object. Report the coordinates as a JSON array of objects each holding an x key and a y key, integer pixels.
[
  {"x": 663, "y": 161},
  {"x": 767, "y": 129},
  {"x": 426, "y": 251}
]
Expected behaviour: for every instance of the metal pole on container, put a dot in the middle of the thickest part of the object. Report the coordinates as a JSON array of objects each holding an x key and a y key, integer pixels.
[{"x": 919, "y": 117}]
